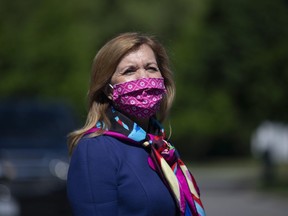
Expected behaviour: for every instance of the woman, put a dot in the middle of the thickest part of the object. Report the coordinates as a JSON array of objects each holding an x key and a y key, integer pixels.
[{"x": 121, "y": 163}]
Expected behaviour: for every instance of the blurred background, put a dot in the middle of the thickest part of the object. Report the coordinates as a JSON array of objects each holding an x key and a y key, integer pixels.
[{"x": 229, "y": 119}]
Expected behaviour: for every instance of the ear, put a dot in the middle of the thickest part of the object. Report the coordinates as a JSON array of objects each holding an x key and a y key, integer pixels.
[{"x": 108, "y": 91}]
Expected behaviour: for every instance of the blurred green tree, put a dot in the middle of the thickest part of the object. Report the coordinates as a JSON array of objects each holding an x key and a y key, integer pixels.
[
  {"x": 229, "y": 58},
  {"x": 233, "y": 74}
]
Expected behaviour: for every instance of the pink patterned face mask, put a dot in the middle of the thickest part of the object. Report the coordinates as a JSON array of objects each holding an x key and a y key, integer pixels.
[{"x": 140, "y": 98}]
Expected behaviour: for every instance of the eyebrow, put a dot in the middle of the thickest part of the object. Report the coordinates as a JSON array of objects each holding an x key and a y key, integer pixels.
[{"x": 151, "y": 63}]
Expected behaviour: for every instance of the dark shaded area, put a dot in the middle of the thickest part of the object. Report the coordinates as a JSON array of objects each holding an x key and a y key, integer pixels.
[
  {"x": 54, "y": 204},
  {"x": 33, "y": 156}
]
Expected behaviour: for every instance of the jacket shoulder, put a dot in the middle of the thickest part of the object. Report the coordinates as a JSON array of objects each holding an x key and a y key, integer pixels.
[{"x": 99, "y": 145}]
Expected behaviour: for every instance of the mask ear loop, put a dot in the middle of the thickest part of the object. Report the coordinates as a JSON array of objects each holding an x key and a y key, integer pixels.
[
  {"x": 111, "y": 86},
  {"x": 109, "y": 92}
]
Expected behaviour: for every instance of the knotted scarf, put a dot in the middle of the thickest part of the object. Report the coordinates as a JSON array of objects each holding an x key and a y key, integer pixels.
[{"x": 163, "y": 158}]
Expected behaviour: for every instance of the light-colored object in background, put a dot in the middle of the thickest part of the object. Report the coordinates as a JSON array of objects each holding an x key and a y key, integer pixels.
[{"x": 271, "y": 137}]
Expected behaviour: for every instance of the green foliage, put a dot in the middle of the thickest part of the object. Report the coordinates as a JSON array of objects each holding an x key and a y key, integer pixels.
[
  {"x": 229, "y": 58},
  {"x": 232, "y": 74}
]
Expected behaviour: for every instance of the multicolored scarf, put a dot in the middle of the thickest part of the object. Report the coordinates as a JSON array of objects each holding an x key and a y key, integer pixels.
[{"x": 163, "y": 158}]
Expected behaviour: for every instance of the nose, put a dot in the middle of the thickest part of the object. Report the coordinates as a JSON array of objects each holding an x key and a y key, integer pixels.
[{"x": 142, "y": 73}]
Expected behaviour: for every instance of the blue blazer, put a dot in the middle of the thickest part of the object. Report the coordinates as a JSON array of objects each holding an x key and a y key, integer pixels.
[{"x": 109, "y": 177}]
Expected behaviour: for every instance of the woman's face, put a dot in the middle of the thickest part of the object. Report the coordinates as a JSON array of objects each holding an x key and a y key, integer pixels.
[{"x": 135, "y": 65}]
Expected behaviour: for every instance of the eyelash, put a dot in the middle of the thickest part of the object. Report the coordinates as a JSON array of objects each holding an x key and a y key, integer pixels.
[
  {"x": 131, "y": 70},
  {"x": 153, "y": 68}
]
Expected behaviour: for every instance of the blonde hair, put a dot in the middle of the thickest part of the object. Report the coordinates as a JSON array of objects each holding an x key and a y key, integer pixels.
[{"x": 103, "y": 68}]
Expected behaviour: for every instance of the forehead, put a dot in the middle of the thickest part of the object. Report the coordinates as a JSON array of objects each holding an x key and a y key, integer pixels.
[{"x": 142, "y": 53}]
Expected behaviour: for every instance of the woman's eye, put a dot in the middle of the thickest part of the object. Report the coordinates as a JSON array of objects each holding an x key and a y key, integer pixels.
[
  {"x": 153, "y": 68},
  {"x": 128, "y": 71}
]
